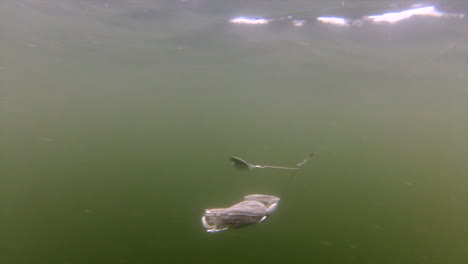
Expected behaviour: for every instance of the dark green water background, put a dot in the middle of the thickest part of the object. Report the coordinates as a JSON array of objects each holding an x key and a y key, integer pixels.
[{"x": 117, "y": 119}]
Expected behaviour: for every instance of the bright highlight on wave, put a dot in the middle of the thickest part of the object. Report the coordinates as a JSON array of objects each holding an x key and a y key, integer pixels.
[
  {"x": 339, "y": 21},
  {"x": 250, "y": 21},
  {"x": 398, "y": 16},
  {"x": 298, "y": 23},
  {"x": 392, "y": 18}
]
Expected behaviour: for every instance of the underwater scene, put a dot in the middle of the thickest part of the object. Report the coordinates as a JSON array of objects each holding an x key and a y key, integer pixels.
[{"x": 221, "y": 131}]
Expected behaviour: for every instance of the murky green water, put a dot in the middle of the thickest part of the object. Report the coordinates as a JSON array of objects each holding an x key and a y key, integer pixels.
[{"x": 118, "y": 118}]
